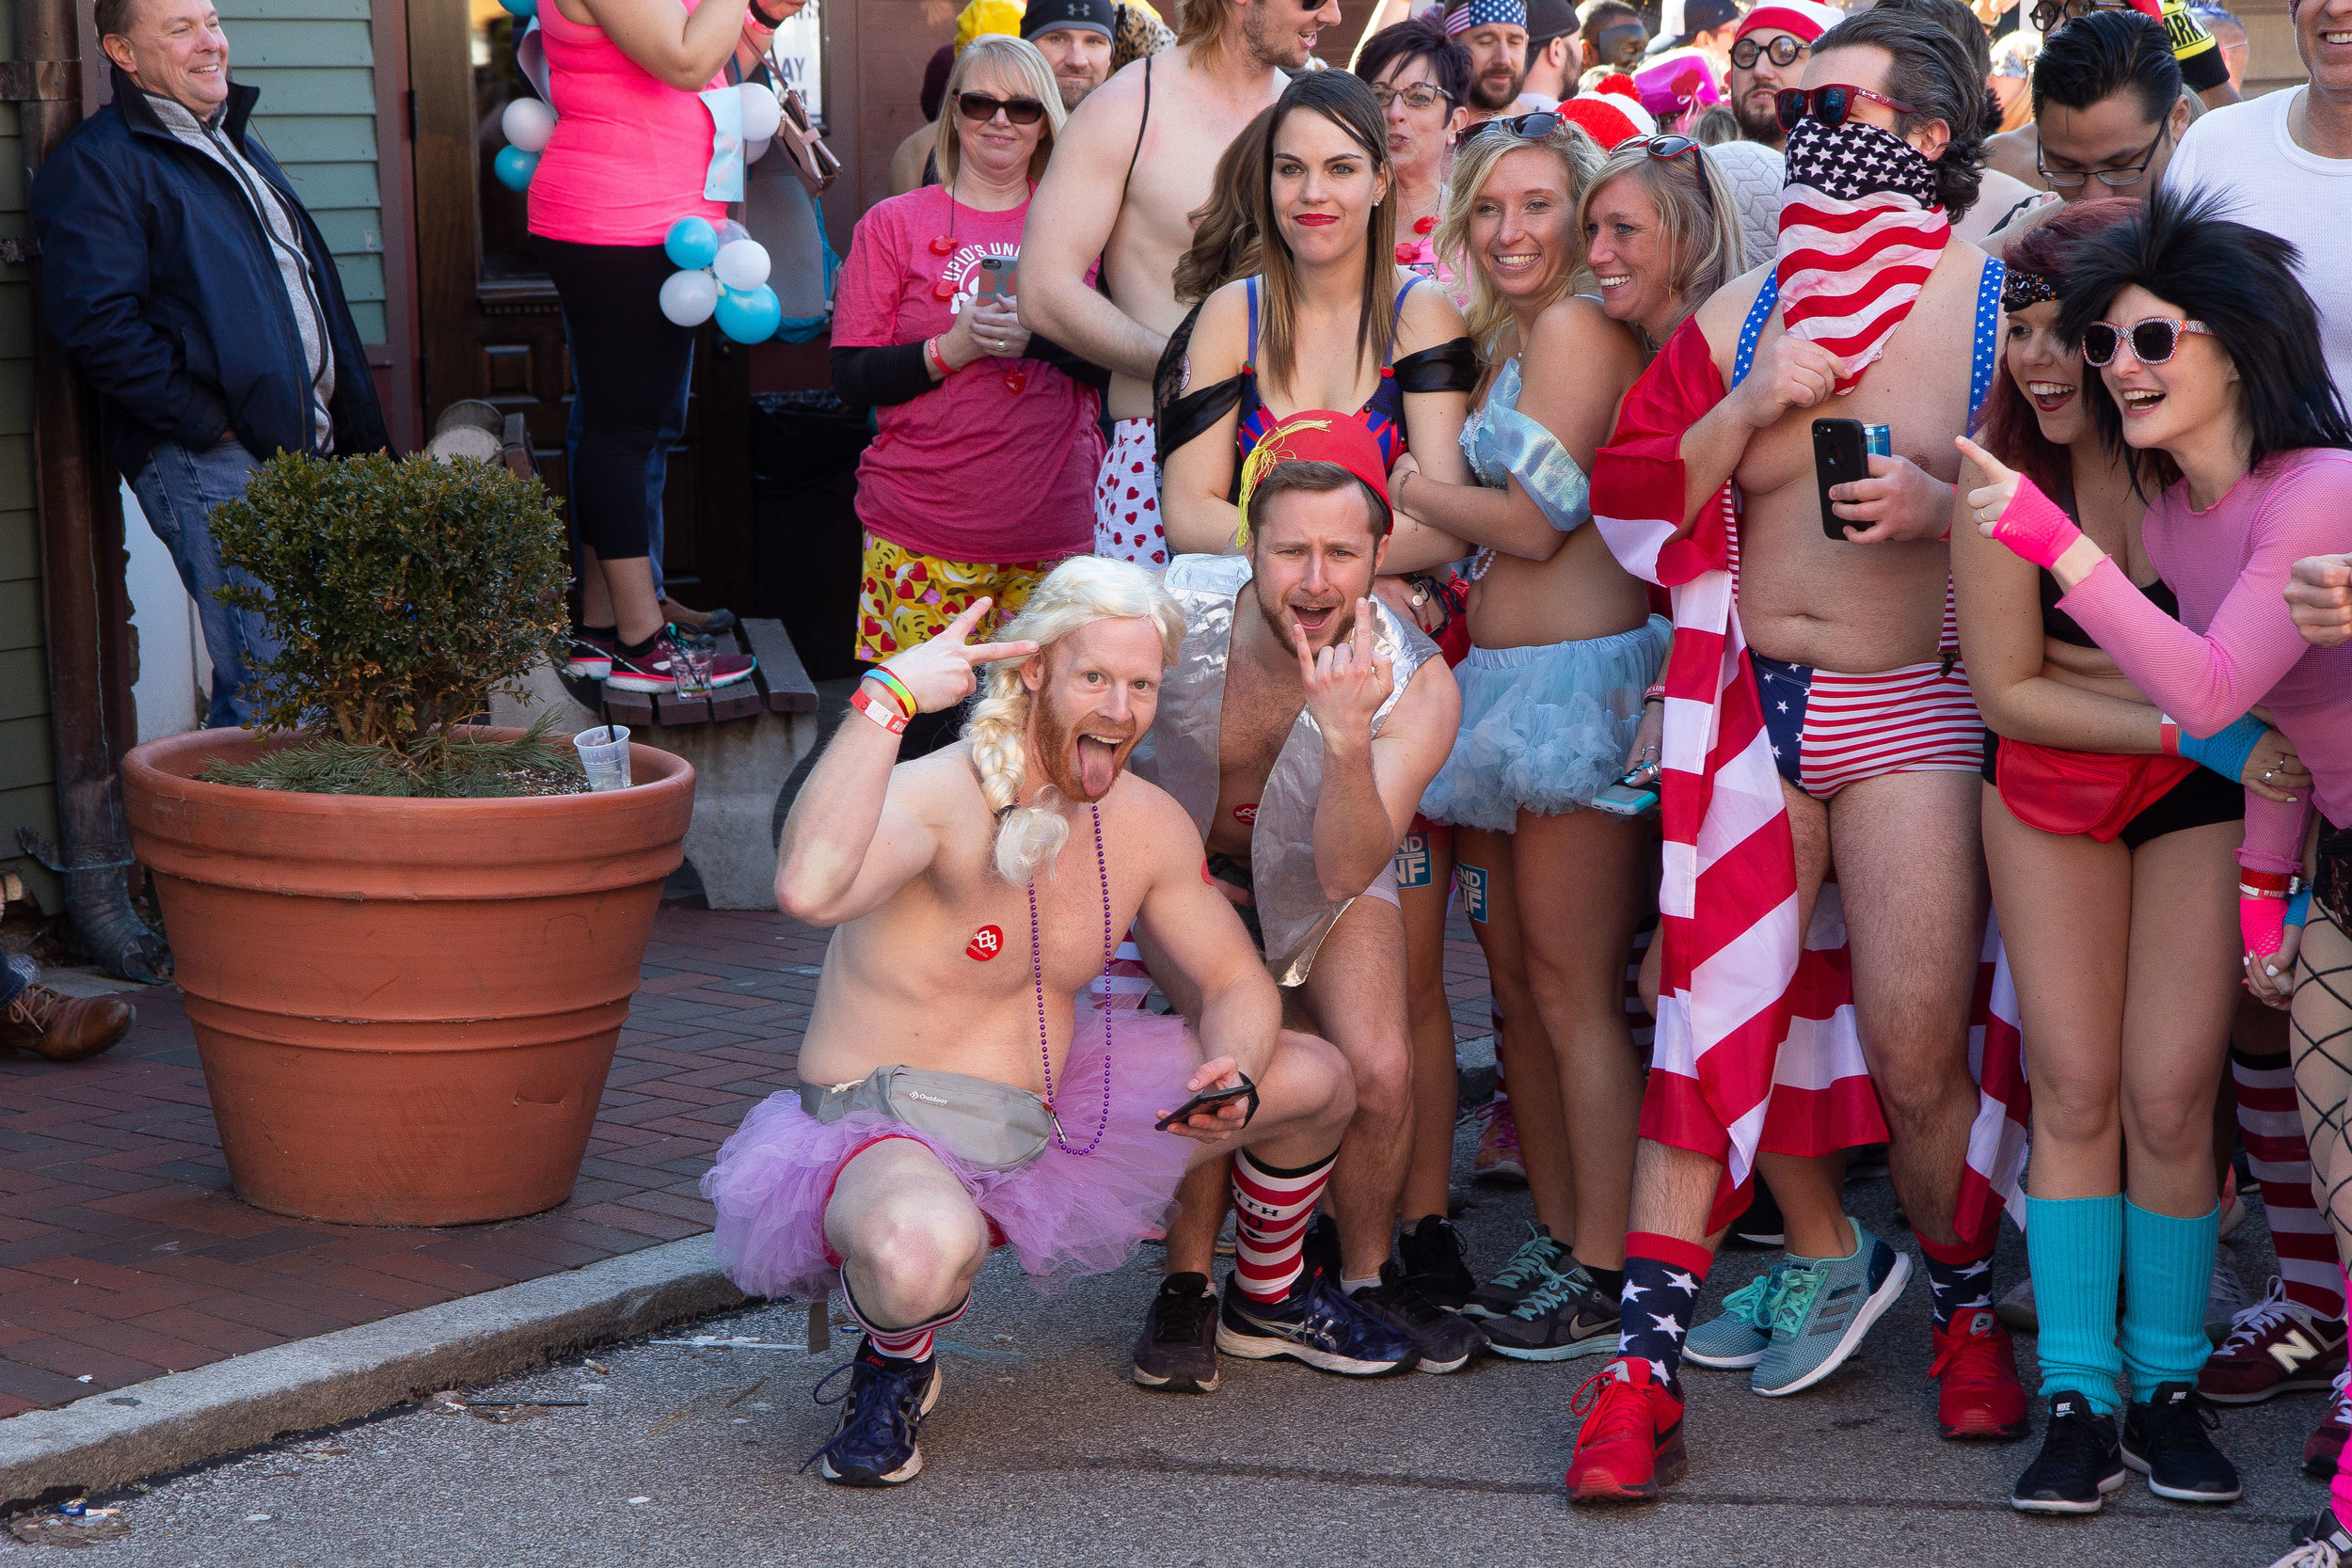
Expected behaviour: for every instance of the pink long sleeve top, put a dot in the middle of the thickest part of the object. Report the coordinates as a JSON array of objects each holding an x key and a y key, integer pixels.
[{"x": 2235, "y": 646}]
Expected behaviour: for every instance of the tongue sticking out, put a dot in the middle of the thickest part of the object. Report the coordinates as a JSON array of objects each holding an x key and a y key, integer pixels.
[{"x": 1098, "y": 766}]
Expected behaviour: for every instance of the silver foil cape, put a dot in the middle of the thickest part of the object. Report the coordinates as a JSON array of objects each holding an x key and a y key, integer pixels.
[{"x": 1180, "y": 754}]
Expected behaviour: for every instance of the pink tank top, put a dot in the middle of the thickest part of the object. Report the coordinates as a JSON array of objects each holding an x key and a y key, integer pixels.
[{"x": 628, "y": 154}]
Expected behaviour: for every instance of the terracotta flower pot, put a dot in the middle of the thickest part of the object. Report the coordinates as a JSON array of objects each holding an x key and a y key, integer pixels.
[{"x": 405, "y": 1009}]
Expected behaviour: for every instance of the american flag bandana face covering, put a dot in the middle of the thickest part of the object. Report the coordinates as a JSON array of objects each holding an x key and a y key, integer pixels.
[{"x": 1859, "y": 235}]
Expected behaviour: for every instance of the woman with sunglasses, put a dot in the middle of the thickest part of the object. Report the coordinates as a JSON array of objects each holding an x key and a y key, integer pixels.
[
  {"x": 1329, "y": 322},
  {"x": 1660, "y": 234},
  {"x": 2112, "y": 870},
  {"x": 1563, "y": 650},
  {"x": 980, "y": 476},
  {"x": 2211, "y": 385},
  {"x": 1421, "y": 80}
]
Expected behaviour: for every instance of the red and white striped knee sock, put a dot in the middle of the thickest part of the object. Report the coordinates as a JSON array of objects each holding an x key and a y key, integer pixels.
[
  {"x": 902, "y": 1344},
  {"x": 1271, "y": 1209},
  {"x": 2270, "y": 1120}
]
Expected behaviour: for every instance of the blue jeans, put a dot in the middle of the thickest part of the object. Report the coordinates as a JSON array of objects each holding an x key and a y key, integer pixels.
[{"x": 178, "y": 490}]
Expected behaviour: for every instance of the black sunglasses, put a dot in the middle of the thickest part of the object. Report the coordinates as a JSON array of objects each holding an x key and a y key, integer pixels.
[
  {"x": 1666, "y": 149},
  {"x": 2153, "y": 340},
  {"x": 980, "y": 108},
  {"x": 2048, "y": 14},
  {"x": 1830, "y": 104},
  {"x": 1784, "y": 51},
  {"x": 1535, "y": 127}
]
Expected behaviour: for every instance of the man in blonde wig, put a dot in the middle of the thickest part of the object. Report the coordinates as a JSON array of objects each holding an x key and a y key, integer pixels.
[{"x": 956, "y": 1095}]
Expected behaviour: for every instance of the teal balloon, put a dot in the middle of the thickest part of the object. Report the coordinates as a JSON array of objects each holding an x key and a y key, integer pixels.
[
  {"x": 692, "y": 244},
  {"x": 750, "y": 315},
  {"x": 520, "y": 7},
  {"x": 514, "y": 168}
]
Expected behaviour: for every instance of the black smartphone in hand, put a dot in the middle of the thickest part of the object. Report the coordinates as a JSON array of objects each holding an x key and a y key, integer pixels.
[
  {"x": 1207, "y": 1099},
  {"x": 1840, "y": 456}
]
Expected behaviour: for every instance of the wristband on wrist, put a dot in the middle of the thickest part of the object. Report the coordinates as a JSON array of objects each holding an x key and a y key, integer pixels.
[
  {"x": 2267, "y": 884},
  {"x": 937, "y": 360},
  {"x": 2299, "y": 907},
  {"x": 2167, "y": 736},
  {"x": 898, "y": 691},
  {"x": 895, "y": 723},
  {"x": 1655, "y": 693}
]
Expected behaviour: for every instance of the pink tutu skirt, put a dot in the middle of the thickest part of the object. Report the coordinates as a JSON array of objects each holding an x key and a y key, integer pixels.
[{"x": 1065, "y": 1214}]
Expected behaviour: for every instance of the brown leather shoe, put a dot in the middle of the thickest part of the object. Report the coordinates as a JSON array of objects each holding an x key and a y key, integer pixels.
[{"x": 64, "y": 1028}]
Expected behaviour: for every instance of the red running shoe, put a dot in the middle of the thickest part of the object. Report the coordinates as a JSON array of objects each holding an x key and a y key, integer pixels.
[
  {"x": 2323, "y": 1448},
  {"x": 1977, "y": 1394},
  {"x": 1631, "y": 1444}
]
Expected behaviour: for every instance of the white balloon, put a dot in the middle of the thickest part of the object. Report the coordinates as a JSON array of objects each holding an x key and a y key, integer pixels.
[
  {"x": 761, "y": 112},
  {"x": 754, "y": 150},
  {"x": 742, "y": 266},
  {"x": 689, "y": 297},
  {"x": 528, "y": 124}
]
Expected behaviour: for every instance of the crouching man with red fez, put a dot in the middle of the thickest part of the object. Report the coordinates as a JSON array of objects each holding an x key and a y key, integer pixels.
[
  {"x": 954, "y": 1096},
  {"x": 1298, "y": 729},
  {"x": 1815, "y": 709}
]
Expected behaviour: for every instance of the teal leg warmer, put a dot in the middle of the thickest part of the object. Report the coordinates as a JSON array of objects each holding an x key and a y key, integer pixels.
[
  {"x": 2075, "y": 1247},
  {"x": 2167, "y": 1271}
]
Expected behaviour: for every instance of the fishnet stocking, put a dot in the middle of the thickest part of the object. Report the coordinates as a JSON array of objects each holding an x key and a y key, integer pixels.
[{"x": 2320, "y": 1038}]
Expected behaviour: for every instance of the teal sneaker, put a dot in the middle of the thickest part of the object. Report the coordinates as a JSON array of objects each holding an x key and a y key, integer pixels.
[
  {"x": 1740, "y": 1335},
  {"x": 1823, "y": 1308},
  {"x": 1538, "y": 1265}
]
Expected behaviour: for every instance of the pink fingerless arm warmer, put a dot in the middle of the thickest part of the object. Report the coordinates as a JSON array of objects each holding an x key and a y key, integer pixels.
[{"x": 2035, "y": 526}]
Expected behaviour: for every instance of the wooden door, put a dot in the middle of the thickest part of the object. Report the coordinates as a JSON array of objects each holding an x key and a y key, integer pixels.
[{"x": 492, "y": 325}]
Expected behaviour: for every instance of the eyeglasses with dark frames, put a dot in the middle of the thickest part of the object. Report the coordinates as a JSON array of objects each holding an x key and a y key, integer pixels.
[
  {"x": 1784, "y": 50},
  {"x": 1419, "y": 96},
  {"x": 2114, "y": 179},
  {"x": 980, "y": 108},
  {"x": 1830, "y": 104},
  {"x": 2153, "y": 340}
]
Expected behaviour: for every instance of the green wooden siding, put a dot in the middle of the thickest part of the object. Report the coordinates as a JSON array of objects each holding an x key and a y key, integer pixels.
[
  {"x": 25, "y": 797},
  {"x": 315, "y": 61}
]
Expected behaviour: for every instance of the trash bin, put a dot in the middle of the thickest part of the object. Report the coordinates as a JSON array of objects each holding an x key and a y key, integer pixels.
[{"x": 806, "y": 557}]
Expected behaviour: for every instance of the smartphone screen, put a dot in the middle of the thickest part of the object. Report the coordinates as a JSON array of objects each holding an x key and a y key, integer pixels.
[{"x": 1840, "y": 456}]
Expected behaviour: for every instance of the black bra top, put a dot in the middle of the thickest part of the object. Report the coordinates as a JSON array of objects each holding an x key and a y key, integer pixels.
[
  {"x": 2060, "y": 627},
  {"x": 1177, "y": 419}
]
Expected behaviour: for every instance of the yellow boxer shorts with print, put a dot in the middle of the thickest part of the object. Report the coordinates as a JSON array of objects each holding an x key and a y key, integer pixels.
[{"x": 906, "y": 598}]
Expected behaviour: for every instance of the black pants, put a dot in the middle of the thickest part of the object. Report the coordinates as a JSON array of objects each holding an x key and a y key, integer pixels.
[{"x": 629, "y": 368}]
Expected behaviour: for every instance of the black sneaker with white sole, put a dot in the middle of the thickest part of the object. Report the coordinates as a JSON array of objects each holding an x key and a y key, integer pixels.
[
  {"x": 2078, "y": 1465},
  {"x": 882, "y": 1412},
  {"x": 1446, "y": 1340},
  {"x": 1315, "y": 1322},
  {"x": 1178, "y": 1348},
  {"x": 1434, "y": 1254},
  {"x": 2168, "y": 1440},
  {"x": 2322, "y": 1530}
]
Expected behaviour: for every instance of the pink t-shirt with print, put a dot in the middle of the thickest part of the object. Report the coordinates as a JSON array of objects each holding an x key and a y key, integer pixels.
[{"x": 994, "y": 464}]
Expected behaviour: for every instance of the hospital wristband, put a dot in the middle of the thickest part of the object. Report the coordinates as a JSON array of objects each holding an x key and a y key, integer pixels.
[
  {"x": 895, "y": 723},
  {"x": 2268, "y": 884}
]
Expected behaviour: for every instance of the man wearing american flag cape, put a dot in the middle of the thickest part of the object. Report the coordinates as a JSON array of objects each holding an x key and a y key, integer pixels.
[{"x": 1817, "y": 715}]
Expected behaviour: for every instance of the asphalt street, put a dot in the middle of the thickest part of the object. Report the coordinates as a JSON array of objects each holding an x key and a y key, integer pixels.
[{"x": 1041, "y": 1452}]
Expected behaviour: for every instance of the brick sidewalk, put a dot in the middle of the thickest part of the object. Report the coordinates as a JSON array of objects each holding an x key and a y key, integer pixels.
[{"x": 124, "y": 1255}]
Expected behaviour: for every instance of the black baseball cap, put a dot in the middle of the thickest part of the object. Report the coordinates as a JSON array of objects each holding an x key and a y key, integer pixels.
[
  {"x": 1705, "y": 16},
  {"x": 1548, "y": 20},
  {"x": 1046, "y": 16}
]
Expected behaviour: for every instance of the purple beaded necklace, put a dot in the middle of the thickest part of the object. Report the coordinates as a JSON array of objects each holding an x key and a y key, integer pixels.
[{"x": 1036, "y": 977}]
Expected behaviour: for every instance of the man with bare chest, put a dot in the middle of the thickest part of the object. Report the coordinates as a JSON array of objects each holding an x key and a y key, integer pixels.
[
  {"x": 1873, "y": 313},
  {"x": 1133, "y": 163},
  {"x": 1298, "y": 729},
  {"x": 954, "y": 1095}
]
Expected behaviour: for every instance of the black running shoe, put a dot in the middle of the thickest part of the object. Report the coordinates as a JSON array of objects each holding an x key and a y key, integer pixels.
[
  {"x": 1316, "y": 1324},
  {"x": 2165, "y": 1440},
  {"x": 1178, "y": 1349},
  {"x": 881, "y": 1411},
  {"x": 2078, "y": 1465},
  {"x": 1761, "y": 1229},
  {"x": 2320, "y": 1542},
  {"x": 1538, "y": 1261},
  {"x": 1446, "y": 1340},
  {"x": 1433, "y": 1255},
  {"x": 1562, "y": 1321}
]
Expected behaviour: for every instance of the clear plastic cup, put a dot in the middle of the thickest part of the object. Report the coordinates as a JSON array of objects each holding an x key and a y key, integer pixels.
[{"x": 604, "y": 757}]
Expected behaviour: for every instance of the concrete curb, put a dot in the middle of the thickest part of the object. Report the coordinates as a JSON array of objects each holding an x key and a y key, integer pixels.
[{"x": 189, "y": 1416}]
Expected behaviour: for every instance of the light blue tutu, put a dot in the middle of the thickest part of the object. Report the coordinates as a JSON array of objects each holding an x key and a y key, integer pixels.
[{"x": 1544, "y": 729}]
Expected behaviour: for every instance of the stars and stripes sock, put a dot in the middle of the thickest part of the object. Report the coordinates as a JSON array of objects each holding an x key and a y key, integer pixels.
[
  {"x": 1662, "y": 1276},
  {"x": 1959, "y": 1276},
  {"x": 901, "y": 1344},
  {"x": 1271, "y": 1209},
  {"x": 2270, "y": 1122}
]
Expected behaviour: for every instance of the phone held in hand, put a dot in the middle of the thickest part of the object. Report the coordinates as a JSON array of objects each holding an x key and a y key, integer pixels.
[
  {"x": 1841, "y": 455},
  {"x": 1000, "y": 278},
  {"x": 1207, "y": 1099},
  {"x": 1627, "y": 798}
]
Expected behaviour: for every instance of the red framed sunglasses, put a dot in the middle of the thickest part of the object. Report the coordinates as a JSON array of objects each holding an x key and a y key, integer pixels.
[{"x": 1830, "y": 104}]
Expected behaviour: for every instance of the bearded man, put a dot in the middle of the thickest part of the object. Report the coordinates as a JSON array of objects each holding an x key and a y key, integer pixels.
[
  {"x": 1074, "y": 36},
  {"x": 1299, "y": 727},
  {"x": 953, "y": 1096},
  {"x": 1495, "y": 34},
  {"x": 1769, "y": 53}
]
